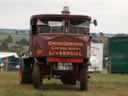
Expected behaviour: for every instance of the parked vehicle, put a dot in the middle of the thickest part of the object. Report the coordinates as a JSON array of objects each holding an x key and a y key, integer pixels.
[
  {"x": 118, "y": 54},
  {"x": 60, "y": 46}
]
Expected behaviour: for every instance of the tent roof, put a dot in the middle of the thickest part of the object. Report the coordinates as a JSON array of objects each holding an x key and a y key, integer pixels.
[{"x": 7, "y": 54}]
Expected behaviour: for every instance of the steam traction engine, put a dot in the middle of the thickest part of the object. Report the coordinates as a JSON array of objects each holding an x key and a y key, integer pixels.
[{"x": 59, "y": 48}]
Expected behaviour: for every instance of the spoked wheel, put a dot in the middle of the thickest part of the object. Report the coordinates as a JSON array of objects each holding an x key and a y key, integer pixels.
[
  {"x": 83, "y": 79},
  {"x": 36, "y": 76}
]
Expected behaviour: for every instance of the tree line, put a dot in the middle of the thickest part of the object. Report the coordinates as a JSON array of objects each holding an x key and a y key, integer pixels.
[{"x": 9, "y": 45}]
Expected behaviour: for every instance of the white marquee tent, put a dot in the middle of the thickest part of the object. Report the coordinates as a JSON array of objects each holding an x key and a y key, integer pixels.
[{"x": 7, "y": 54}]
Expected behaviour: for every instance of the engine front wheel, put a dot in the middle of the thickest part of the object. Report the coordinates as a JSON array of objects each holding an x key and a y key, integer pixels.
[
  {"x": 83, "y": 79},
  {"x": 36, "y": 77}
]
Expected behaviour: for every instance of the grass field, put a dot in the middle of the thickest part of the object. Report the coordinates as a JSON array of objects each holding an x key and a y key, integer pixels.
[{"x": 100, "y": 84}]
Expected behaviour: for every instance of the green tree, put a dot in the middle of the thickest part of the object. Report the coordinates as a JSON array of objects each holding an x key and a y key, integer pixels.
[
  {"x": 4, "y": 45},
  {"x": 23, "y": 42},
  {"x": 9, "y": 39}
]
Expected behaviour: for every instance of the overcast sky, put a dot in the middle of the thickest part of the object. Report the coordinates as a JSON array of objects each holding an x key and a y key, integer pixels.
[{"x": 112, "y": 15}]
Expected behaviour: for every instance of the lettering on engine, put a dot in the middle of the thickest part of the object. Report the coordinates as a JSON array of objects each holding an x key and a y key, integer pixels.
[
  {"x": 65, "y": 48},
  {"x": 64, "y": 43}
]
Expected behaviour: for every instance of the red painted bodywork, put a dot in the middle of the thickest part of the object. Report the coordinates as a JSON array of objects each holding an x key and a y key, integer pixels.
[
  {"x": 73, "y": 60},
  {"x": 41, "y": 48},
  {"x": 40, "y": 42}
]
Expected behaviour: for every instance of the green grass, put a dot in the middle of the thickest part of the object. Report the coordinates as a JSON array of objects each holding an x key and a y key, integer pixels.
[{"x": 100, "y": 84}]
